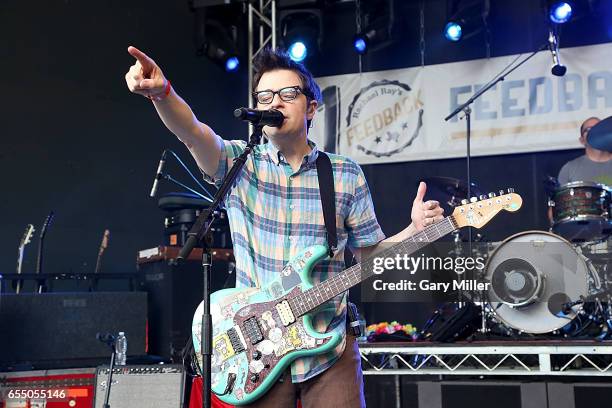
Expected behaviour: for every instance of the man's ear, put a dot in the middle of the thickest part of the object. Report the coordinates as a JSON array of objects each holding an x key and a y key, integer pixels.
[
  {"x": 311, "y": 109},
  {"x": 582, "y": 139}
]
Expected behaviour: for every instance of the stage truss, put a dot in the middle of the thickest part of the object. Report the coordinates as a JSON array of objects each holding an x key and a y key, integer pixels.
[{"x": 571, "y": 358}]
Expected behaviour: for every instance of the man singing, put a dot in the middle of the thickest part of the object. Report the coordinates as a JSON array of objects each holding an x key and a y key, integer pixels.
[{"x": 275, "y": 210}]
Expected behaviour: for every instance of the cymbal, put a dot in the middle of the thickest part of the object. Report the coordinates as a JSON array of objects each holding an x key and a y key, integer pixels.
[
  {"x": 600, "y": 136},
  {"x": 455, "y": 189}
]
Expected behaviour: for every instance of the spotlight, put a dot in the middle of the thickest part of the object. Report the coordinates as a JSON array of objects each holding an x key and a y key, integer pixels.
[
  {"x": 301, "y": 32},
  {"x": 360, "y": 44},
  {"x": 216, "y": 36},
  {"x": 231, "y": 64},
  {"x": 467, "y": 18},
  {"x": 379, "y": 24},
  {"x": 298, "y": 51},
  {"x": 453, "y": 31},
  {"x": 560, "y": 12}
]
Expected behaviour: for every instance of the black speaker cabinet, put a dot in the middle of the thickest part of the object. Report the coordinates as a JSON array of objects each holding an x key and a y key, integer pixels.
[
  {"x": 62, "y": 327},
  {"x": 174, "y": 294},
  {"x": 150, "y": 386}
]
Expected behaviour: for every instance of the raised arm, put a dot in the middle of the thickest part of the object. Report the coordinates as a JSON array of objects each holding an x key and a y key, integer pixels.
[{"x": 146, "y": 78}]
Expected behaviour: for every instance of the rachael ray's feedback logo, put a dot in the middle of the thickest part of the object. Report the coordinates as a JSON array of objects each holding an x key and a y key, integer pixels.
[{"x": 384, "y": 118}]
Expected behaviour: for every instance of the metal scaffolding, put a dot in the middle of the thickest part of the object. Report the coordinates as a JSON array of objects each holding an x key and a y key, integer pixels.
[{"x": 262, "y": 33}]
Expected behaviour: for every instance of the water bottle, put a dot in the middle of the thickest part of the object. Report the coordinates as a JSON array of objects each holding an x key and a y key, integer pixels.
[{"x": 120, "y": 349}]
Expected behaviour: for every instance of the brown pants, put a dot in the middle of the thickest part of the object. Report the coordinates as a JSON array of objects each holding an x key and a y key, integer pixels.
[{"x": 340, "y": 386}]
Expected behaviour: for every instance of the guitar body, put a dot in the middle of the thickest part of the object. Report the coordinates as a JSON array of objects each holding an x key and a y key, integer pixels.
[{"x": 256, "y": 336}]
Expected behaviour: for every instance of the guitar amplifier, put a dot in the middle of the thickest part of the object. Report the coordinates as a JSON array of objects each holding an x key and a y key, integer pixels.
[
  {"x": 56, "y": 330},
  {"x": 50, "y": 388},
  {"x": 146, "y": 386}
]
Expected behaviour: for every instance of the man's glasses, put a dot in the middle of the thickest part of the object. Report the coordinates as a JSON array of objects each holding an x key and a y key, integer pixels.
[{"x": 286, "y": 94}]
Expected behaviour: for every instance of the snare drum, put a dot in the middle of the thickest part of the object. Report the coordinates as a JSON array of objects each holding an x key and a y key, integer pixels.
[{"x": 581, "y": 211}]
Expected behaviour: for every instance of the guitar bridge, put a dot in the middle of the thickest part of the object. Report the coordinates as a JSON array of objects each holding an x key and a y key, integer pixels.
[{"x": 285, "y": 313}]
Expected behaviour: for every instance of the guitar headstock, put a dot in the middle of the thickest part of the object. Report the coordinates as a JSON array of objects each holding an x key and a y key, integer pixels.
[
  {"x": 27, "y": 236},
  {"x": 479, "y": 211},
  {"x": 46, "y": 223}
]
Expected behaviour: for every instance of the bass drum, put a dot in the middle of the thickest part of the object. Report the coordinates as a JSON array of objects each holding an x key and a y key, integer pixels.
[{"x": 534, "y": 275}]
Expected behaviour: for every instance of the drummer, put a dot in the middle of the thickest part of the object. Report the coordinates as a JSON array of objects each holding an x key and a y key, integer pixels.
[{"x": 594, "y": 166}]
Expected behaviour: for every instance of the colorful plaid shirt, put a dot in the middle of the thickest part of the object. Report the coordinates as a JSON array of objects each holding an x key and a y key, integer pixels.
[{"x": 275, "y": 213}]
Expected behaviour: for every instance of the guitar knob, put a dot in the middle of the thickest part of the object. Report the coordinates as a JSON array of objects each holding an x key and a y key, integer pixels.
[
  {"x": 491, "y": 195},
  {"x": 473, "y": 199},
  {"x": 502, "y": 192},
  {"x": 482, "y": 197},
  {"x": 254, "y": 377},
  {"x": 256, "y": 355},
  {"x": 464, "y": 201},
  {"x": 510, "y": 190}
]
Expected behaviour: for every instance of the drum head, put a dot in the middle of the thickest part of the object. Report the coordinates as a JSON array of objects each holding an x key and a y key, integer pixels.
[{"x": 533, "y": 274}]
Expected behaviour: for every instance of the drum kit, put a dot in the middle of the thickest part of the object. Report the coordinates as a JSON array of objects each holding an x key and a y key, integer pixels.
[{"x": 551, "y": 283}]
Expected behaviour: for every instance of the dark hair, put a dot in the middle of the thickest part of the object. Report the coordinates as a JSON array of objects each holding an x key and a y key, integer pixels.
[
  {"x": 585, "y": 121},
  {"x": 269, "y": 59}
]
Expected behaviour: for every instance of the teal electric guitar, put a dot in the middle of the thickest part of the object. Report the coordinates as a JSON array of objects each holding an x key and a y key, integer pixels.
[{"x": 258, "y": 332}]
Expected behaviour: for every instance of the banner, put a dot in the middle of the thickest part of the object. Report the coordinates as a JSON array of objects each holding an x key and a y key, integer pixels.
[{"x": 398, "y": 115}]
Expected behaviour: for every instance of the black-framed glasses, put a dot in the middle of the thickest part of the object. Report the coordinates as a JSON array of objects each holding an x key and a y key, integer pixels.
[{"x": 287, "y": 94}]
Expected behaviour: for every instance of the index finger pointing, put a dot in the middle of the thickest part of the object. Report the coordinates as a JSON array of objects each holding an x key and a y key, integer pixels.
[{"x": 145, "y": 61}]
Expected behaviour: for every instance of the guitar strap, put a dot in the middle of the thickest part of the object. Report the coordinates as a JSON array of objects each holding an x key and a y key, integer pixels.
[
  {"x": 328, "y": 200},
  {"x": 328, "y": 203}
]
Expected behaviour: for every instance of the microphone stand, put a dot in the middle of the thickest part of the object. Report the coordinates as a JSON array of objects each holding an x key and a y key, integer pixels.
[
  {"x": 198, "y": 234},
  {"x": 467, "y": 110},
  {"x": 109, "y": 380}
]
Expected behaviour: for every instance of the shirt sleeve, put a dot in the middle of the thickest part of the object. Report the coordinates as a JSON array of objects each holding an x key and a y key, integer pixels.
[
  {"x": 361, "y": 223},
  {"x": 564, "y": 174},
  {"x": 230, "y": 151}
]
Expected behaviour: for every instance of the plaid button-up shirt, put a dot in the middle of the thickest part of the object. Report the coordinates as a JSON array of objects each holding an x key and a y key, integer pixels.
[{"x": 275, "y": 213}]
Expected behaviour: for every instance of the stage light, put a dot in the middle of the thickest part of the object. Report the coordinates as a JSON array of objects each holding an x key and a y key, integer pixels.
[
  {"x": 465, "y": 19},
  {"x": 231, "y": 64},
  {"x": 378, "y": 27},
  {"x": 216, "y": 36},
  {"x": 453, "y": 31},
  {"x": 560, "y": 12},
  {"x": 298, "y": 51},
  {"x": 360, "y": 45},
  {"x": 301, "y": 32}
]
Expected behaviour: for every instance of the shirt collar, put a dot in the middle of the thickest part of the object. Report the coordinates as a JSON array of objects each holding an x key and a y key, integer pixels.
[{"x": 277, "y": 157}]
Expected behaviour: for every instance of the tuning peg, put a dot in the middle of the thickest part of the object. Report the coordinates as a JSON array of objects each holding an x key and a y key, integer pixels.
[
  {"x": 482, "y": 197},
  {"x": 502, "y": 192},
  {"x": 473, "y": 199},
  {"x": 491, "y": 195},
  {"x": 464, "y": 201},
  {"x": 510, "y": 190}
]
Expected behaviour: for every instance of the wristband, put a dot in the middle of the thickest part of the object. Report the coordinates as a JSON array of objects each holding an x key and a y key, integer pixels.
[{"x": 163, "y": 94}]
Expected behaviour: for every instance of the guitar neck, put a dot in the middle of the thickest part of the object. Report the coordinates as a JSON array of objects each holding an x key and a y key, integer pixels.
[
  {"x": 20, "y": 259},
  {"x": 39, "y": 256},
  {"x": 321, "y": 293}
]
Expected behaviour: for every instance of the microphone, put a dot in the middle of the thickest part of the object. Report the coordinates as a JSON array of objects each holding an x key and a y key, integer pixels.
[
  {"x": 159, "y": 174},
  {"x": 270, "y": 117},
  {"x": 557, "y": 69}
]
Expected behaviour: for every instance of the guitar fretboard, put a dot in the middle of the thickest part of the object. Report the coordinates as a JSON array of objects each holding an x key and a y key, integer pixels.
[{"x": 324, "y": 291}]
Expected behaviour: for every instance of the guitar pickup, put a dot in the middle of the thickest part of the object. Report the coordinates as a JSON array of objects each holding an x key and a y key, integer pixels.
[
  {"x": 285, "y": 313},
  {"x": 253, "y": 330}
]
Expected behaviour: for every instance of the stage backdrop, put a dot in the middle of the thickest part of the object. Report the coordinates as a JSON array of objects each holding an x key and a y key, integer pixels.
[{"x": 398, "y": 115}]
